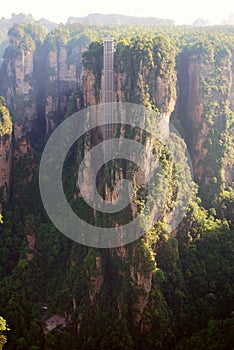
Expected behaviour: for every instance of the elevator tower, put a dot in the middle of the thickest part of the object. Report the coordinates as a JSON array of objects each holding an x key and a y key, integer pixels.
[{"x": 108, "y": 82}]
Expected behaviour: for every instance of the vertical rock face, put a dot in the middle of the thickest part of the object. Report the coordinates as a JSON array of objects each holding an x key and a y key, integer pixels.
[
  {"x": 232, "y": 84},
  {"x": 96, "y": 280},
  {"x": 146, "y": 80},
  {"x": 39, "y": 80},
  {"x": 5, "y": 162},
  {"x": 18, "y": 88},
  {"x": 41, "y": 86},
  {"x": 30, "y": 236},
  {"x": 229, "y": 176},
  {"x": 205, "y": 109},
  {"x": 61, "y": 83},
  {"x": 89, "y": 82},
  {"x": 5, "y": 151},
  {"x": 194, "y": 115},
  {"x": 143, "y": 283},
  {"x": 154, "y": 87},
  {"x": 38, "y": 87}
]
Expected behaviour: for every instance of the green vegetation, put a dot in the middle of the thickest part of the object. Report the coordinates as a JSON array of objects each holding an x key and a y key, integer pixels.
[
  {"x": 6, "y": 24},
  {"x": 210, "y": 137},
  {"x": 162, "y": 292},
  {"x": 24, "y": 37},
  {"x": 93, "y": 60},
  {"x": 142, "y": 61},
  {"x": 5, "y": 119},
  {"x": 3, "y": 327}
]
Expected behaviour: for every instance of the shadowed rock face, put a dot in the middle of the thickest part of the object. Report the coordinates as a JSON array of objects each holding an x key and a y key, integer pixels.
[
  {"x": 205, "y": 108},
  {"x": 37, "y": 87},
  {"x": 5, "y": 165},
  {"x": 5, "y": 151},
  {"x": 41, "y": 89},
  {"x": 53, "y": 322},
  {"x": 161, "y": 92}
]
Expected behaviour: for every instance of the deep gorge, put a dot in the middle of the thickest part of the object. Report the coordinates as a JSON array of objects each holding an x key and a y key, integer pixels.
[{"x": 162, "y": 291}]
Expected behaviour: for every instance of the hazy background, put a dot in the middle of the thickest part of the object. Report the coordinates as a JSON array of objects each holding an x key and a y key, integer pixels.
[{"x": 181, "y": 11}]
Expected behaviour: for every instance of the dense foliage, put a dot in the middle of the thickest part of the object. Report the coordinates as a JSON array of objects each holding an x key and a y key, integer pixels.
[
  {"x": 5, "y": 119},
  {"x": 98, "y": 291},
  {"x": 6, "y": 24},
  {"x": 3, "y": 327}
]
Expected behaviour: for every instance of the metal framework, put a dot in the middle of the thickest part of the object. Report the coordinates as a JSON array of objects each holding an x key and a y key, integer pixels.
[{"x": 108, "y": 84}]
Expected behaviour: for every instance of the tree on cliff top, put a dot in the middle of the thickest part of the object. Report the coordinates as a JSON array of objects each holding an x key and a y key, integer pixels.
[{"x": 26, "y": 36}]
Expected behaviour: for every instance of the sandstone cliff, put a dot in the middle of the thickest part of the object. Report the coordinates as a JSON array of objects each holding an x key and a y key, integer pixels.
[
  {"x": 44, "y": 84},
  {"x": 204, "y": 107},
  {"x": 5, "y": 151},
  {"x": 152, "y": 82}
]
